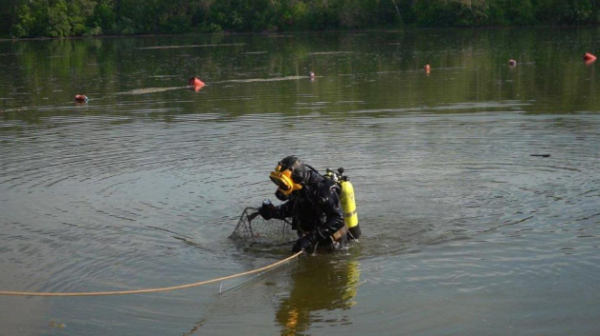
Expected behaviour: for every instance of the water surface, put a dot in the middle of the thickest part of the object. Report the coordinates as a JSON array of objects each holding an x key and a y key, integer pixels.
[{"x": 477, "y": 184}]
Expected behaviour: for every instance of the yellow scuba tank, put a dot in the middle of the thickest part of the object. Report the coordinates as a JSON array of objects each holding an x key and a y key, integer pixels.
[
  {"x": 348, "y": 204},
  {"x": 348, "y": 201}
]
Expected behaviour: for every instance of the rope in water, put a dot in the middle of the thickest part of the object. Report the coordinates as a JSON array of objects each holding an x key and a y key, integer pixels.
[{"x": 154, "y": 290}]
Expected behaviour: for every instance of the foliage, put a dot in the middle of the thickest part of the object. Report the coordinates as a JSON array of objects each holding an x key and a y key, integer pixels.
[{"x": 60, "y": 18}]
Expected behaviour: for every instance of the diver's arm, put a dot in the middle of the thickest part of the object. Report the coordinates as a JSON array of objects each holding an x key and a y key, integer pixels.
[{"x": 282, "y": 211}]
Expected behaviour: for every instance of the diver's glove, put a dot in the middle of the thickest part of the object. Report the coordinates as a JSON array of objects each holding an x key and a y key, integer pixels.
[
  {"x": 303, "y": 243},
  {"x": 267, "y": 210}
]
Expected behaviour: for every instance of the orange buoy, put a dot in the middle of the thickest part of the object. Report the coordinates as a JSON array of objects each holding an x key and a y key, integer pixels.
[
  {"x": 589, "y": 57},
  {"x": 196, "y": 82},
  {"x": 427, "y": 69},
  {"x": 81, "y": 98},
  {"x": 512, "y": 62}
]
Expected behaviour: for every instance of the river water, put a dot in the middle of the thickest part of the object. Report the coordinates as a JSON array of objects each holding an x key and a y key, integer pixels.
[{"x": 477, "y": 184}]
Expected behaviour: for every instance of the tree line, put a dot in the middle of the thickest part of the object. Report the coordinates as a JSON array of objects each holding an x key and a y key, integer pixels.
[{"x": 63, "y": 18}]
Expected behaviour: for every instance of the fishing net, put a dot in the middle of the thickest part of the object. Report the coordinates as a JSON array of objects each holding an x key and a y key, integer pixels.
[{"x": 253, "y": 229}]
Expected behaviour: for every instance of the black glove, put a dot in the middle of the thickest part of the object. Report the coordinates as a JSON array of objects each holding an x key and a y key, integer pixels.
[
  {"x": 303, "y": 243},
  {"x": 267, "y": 211}
]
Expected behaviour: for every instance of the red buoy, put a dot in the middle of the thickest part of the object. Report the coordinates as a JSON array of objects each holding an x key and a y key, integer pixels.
[
  {"x": 589, "y": 57},
  {"x": 81, "y": 98},
  {"x": 427, "y": 68},
  {"x": 196, "y": 82}
]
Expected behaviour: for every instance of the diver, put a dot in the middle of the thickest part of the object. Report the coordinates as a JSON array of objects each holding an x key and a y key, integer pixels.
[{"x": 312, "y": 202}]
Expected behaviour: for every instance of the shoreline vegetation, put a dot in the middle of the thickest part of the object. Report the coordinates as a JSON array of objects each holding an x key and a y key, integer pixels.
[{"x": 80, "y": 18}]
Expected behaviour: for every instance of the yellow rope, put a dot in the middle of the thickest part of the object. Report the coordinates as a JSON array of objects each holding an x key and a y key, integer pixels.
[{"x": 154, "y": 290}]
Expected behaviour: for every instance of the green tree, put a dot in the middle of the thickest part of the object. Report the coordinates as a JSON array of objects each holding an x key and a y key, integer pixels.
[
  {"x": 80, "y": 14},
  {"x": 8, "y": 15},
  {"x": 32, "y": 19},
  {"x": 104, "y": 20},
  {"x": 58, "y": 19}
]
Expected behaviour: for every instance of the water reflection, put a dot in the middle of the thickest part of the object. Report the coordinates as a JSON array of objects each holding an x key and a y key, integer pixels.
[
  {"x": 323, "y": 282},
  {"x": 466, "y": 65}
]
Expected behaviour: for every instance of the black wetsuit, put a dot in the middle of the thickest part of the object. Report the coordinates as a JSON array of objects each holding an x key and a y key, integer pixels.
[{"x": 315, "y": 209}]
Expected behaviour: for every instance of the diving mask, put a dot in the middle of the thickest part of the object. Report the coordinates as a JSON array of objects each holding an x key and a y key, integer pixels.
[{"x": 283, "y": 179}]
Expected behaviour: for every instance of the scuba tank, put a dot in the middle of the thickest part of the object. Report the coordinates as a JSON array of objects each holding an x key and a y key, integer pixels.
[{"x": 347, "y": 200}]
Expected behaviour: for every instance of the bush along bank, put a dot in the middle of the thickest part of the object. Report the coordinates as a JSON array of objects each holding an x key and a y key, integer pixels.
[{"x": 63, "y": 18}]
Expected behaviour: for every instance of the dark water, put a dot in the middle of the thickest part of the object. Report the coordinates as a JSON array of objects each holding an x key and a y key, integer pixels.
[{"x": 465, "y": 232}]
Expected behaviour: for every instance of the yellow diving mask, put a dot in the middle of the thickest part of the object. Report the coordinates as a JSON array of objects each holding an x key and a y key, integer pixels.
[{"x": 283, "y": 179}]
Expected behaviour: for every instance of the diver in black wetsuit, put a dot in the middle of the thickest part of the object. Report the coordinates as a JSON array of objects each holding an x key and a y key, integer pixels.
[{"x": 313, "y": 204}]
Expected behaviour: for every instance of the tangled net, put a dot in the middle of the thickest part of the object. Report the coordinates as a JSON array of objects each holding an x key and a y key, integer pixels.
[{"x": 253, "y": 229}]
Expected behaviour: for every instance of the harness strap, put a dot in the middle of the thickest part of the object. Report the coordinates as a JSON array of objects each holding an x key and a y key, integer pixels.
[{"x": 349, "y": 214}]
